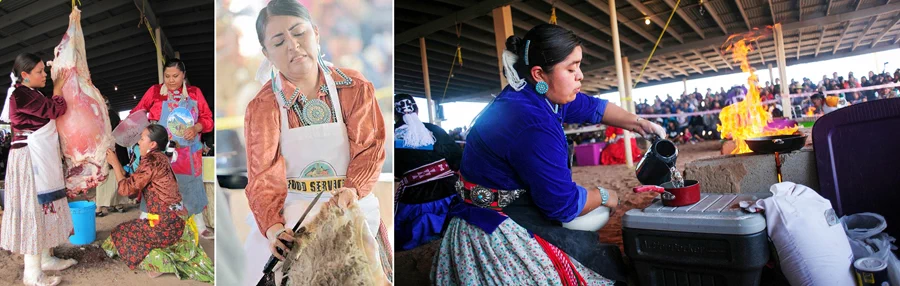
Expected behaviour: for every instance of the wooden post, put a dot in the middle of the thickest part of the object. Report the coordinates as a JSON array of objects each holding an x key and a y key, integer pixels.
[
  {"x": 629, "y": 82},
  {"x": 427, "y": 81},
  {"x": 628, "y": 104},
  {"x": 771, "y": 75},
  {"x": 503, "y": 28},
  {"x": 620, "y": 75},
  {"x": 782, "y": 72},
  {"x": 159, "y": 56},
  {"x": 684, "y": 81}
]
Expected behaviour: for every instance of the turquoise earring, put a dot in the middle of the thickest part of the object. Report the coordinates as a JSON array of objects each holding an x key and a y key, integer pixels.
[
  {"x": 541, "y": 87},
  {"x": 26, "y": 80}
]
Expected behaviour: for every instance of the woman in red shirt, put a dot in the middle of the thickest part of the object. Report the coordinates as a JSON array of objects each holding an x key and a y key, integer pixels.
[{"x": 183, "y": 110}]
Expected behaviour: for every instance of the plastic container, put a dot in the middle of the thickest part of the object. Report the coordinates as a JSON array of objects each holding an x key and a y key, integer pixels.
[
  {"x": 857, "y": 159},
  {"x": 84, "y": 222},
  {"x": 712, "y": 242},
  {"x": 588, "y": 154}
]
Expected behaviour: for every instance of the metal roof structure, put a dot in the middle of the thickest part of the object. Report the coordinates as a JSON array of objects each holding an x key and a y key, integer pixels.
[
  {"x": 120, "y": 50},
  {"x": 814, "y": 30}
]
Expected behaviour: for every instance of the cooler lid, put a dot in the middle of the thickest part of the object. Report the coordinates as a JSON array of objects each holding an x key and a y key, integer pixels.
[{"x": 714, "y": 213}]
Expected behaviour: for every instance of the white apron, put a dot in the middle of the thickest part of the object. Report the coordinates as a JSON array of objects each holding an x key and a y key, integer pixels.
[
  {"x": 323, "y": 149},
  {"x": 46, "y": 162}
]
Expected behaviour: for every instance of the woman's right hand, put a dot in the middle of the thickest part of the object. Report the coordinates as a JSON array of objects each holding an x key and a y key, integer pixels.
[
  {"x": 111, "y": 157},
  {"x": 613, "y": 200},
  {"x": 275, "y": 234},
  {"x": 60, "y": 81}
]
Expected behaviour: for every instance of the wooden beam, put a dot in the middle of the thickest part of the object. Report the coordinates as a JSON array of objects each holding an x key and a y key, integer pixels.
[
  {"x": 502, "y": 29},
  {"x": 657, "y": 70},
  {"x": 687, "y": 19},
  {"x": 863, "y": 35},
  {"x": 799, "y": 44},
  {"x": 689, "y": 63},
  {"x": 858, "y": 3},
  {"x": 885, "y": 31},
  {"x": 464, "y": 15},
  {"x": 531, "y": 11},
  {"x": 23, "y": 13},
  {"x": 722, "y": 56},
  {"x": 841, "y": 37},
  {"x": 655, "y": 19},
  {"x": 702, "y": 58},
  {"x": 604, "y": 6},
  {"x": 772, "y": 11},
  {"x": 594, "y": 23},
  {"x": 828, "y": 10},
  {"x": 144, "y": 7},
  {"x": 424, "y": 55},
  {"x": 743, "y": 14},
  {"x": 822, "y": 32},
  {"x": 715, "y": 15},
  {"x": 668, "y": 63},
  {"x": 759, "y": 49},
  {"x": 800, "y": 9},
  {"x": 61, "y": 24}
]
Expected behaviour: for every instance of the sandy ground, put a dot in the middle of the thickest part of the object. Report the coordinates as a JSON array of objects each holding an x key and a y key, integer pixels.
[
  {"x": 413, "y": 266},
  {"x": 94, "y": 267}
]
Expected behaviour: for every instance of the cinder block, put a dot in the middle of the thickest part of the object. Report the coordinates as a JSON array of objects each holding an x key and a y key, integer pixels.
[{"x": 750, "y": 173}]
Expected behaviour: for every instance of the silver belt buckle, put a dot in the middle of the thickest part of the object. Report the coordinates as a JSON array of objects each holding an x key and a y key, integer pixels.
[{"x": 483, "y": 197}]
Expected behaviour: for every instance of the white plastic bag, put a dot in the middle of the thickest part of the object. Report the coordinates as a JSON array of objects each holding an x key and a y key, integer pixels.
[
  {"x": 884, "y": 244},
  {"x": 809, "y": 240},
  {"x": 859, "y": 227}
]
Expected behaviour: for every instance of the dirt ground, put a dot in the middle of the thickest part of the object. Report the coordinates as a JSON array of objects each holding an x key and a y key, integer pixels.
[
  {"x": 412, "y": 267},
  {"x": 94, "y": 267}
]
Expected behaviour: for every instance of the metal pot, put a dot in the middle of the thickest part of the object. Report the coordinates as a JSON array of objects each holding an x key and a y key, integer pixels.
[
  {"x": 672, "y": 196},
  {"x": 654, "y": 168}
]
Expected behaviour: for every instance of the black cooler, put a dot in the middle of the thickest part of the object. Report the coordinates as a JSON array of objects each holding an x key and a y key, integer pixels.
[{"x": 712, "y": 242}]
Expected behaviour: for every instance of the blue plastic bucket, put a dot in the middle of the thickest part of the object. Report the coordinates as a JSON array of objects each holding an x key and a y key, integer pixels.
[{"x": 84, "y": 222}]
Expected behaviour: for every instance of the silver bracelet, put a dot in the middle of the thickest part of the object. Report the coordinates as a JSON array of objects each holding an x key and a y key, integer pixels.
[{"x": 604, "y": 196}]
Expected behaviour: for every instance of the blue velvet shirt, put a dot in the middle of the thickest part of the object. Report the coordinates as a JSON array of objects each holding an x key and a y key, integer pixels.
[{"x": 518, "y": 143}]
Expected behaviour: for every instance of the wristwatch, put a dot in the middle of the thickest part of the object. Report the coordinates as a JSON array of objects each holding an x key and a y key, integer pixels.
[{"x": 604, "y": 196}]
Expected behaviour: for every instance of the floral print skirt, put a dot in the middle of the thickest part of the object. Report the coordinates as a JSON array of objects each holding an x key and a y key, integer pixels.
[{"x": 508, "y": 256}]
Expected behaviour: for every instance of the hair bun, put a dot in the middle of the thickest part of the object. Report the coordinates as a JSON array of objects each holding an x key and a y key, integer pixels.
[{"x": 514, "y": 44}]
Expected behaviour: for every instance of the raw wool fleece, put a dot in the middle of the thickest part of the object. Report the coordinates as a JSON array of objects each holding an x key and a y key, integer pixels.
[{"x": 336, "y": 248}]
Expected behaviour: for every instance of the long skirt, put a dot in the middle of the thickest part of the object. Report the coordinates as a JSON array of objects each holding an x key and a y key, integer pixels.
[
  {"x": 508, "y": 256},
  {"x": 180, "y": 255},
  {"x": 107, "y": 195},
  {"x": 28, "y": 227}
]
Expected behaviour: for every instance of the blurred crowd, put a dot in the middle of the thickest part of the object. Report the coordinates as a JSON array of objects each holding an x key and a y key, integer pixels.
[{"x": 683, "y": 128}]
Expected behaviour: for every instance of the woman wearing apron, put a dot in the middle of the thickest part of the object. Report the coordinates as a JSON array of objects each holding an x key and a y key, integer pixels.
[
  {"x": 182, "y": 109},
  {"x": 312, "y": 128},
  {"x": 515, "y": 181},
  {"x": 36, "y": 216}
]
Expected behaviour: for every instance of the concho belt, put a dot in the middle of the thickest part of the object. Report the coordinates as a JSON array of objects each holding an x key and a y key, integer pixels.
[{"x": 485, "y": 197}]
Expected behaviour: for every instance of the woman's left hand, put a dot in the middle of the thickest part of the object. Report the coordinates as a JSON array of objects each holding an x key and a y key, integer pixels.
[
  {"x": 648, "y": 127},
  {"x": 192, "y": 132},
  {"x": 344, "y": 197}
]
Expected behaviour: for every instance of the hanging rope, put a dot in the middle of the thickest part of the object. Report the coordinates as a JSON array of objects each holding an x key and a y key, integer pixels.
[
  {"x": 553, "y": 15},
  {"x": 657, "y": 44},
  {"x": 457, "y": 57}
]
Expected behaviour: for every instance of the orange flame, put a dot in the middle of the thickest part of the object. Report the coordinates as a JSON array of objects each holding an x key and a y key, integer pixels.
[
  {"x": 748, "y": 118},
  {"x": 811, "y": 111}
]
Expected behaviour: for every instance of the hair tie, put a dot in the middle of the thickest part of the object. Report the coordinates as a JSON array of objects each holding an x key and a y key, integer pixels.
[{"x": 527, "y": 44}]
